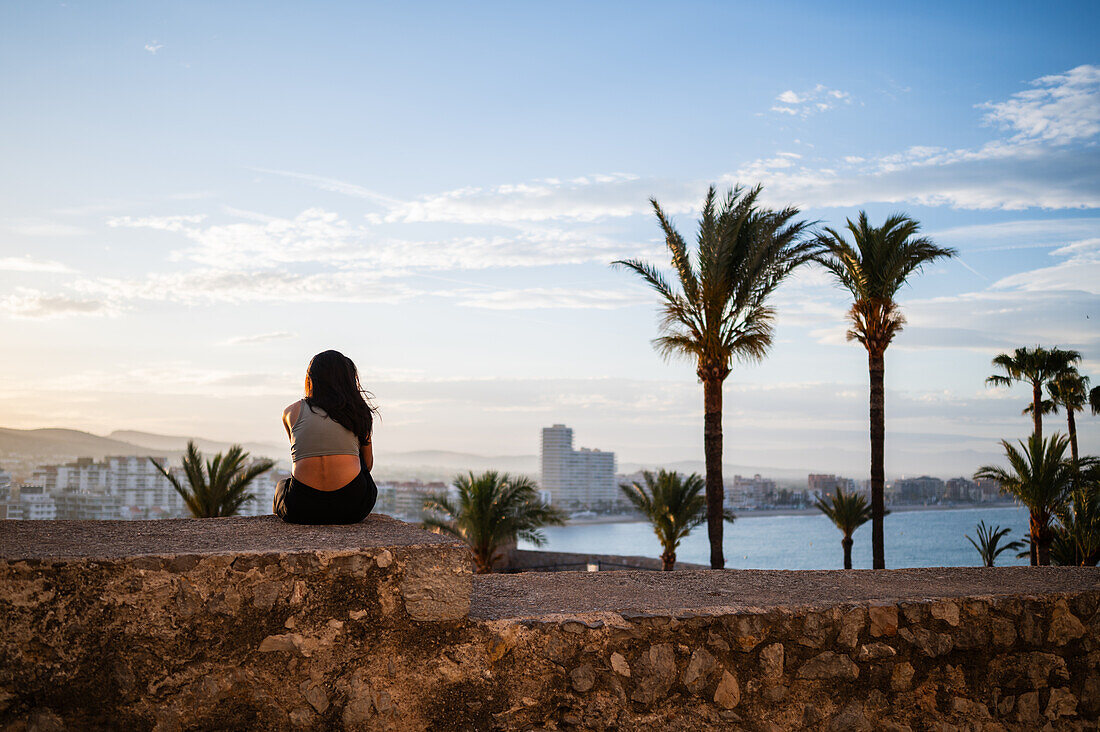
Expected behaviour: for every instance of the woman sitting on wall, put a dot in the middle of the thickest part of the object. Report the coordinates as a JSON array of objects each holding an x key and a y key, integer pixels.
[{"x": 330, "y": 446}]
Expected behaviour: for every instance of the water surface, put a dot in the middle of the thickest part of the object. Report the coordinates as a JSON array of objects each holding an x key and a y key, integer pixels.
[{"x": 926, "y": 538}]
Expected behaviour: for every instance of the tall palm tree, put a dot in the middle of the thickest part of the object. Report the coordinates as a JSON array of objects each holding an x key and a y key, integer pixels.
[
  {"x": 848, "y": 512},
  {"x": 1070, "y": 391},
  {"x": 873, "y": 268},
  {"x": 674, "y": 506},
  {"x": 1039, "y": 477},
  {"x": 493, "y": 510},
  {"x": 1037, "y": 367},
  {"x": 719, "y": 311},
  {"x": 218, "y": 487},
  {"x": 989, "y": 544}
]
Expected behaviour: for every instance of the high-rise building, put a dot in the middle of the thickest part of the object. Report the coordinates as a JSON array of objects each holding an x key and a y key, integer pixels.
[{"x": 572, "y": 479}]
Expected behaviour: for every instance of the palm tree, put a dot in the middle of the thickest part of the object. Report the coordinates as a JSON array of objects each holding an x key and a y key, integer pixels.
[
  {"x": 989, "y": 542},
  {"x": 673, "y": 504},
  {"x": 873, "y": 268},
  {"x": 1069, "y": 390},
  {"x": 1035, "y": 366},
  {"x": 848, "y": 512},
  {"x": 719, "y": 312},
  {"x": 1077, "y": 538},
  {"x": 218, "y": 487},
  {"x": 1040, "y": 478},
  {"x": 492, "y": 510}
]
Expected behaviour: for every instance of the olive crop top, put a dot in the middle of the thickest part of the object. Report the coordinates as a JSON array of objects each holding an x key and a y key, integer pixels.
[{"x": 315, "y": 434}]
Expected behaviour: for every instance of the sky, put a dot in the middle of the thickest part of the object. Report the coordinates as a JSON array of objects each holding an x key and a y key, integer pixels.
[{"x": 196, "y": 197}]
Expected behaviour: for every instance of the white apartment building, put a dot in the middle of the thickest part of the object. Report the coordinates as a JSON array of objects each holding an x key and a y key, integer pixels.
[
  {"x": 745, "y": 493},
  {"x": 88, "y": 506},
  {"x": 83, "y": 475},
  {"x": 36, "y": 504},
  {"x": 576, "y": 479}
]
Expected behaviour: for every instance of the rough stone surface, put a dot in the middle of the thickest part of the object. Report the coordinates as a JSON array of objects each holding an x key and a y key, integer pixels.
[
  {"x": 361, "y": 631},
  {"x": 829, "y": 665},
  {"x": 771, "y": 662},
  {"x": 728, "y": 693}
]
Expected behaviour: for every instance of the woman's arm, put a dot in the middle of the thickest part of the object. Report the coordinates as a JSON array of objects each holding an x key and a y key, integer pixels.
[
  {"x": 290, "y": 416},
  {"x": 367, "y": 452}
]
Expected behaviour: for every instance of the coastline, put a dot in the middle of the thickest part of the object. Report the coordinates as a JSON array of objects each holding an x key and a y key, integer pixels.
[{"x": 632, "y": 518}]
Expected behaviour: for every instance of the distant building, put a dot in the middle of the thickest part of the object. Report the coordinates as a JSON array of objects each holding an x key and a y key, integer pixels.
[
  {"x": 405, "y": 500},
  {"x": 118, "y": 487},
  {"x": 35, "y": 504},
  {"x": 83, "y": 475},
  {"x": 924, "y": 489},
  {"x": 821, "y": 485},
  {"x": 577, "y": 479},
  {"x": 989, "y": 490},
  {"x": 961, "y": 490},
  {"x": 263, "y": 488},
  {"x": 88, "y": 506},
  {"x": 747, "y": 493}
]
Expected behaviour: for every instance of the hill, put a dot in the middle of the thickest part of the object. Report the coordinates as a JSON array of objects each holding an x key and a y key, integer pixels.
[
  {"x": 178, "y": 443},
  {"x": 56, "y": 443}
]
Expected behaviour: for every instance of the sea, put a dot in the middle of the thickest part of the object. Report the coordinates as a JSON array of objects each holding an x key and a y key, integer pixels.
[{"x": 914, "y": 538}]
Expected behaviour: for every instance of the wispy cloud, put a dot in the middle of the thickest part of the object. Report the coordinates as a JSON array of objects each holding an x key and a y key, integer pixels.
[
  {"x": 153, "y": 47},
  {"x": 44, "y": 228},
  {"x": 803, "y": 104},
  {"x": 29, "y": 303},
  {"x": 205, "y": 286},
  {"x": 537, "y": 298},
  {"x": 281, "y": 335},
  {"x": 28, "y": 264},
  {"x": 323, "y": 237}
]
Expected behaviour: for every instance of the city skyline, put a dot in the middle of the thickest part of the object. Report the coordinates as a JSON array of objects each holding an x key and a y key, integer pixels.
[{"x": 202, "y": 199}]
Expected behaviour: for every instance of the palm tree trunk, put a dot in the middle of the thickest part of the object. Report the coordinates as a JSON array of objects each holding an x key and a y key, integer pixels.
[
  {"x": 847, "y": 542},
  {"x": 1072, "y": 435},
  {"x": 1044, "y": 548},
  {"x": 668, "y": 560},
  {"x": 1037, "y": 409},
  {"x": 712, "y": 448},
  {"x": 1033, "y": 530},
  {"x": 877, "y": 367}
]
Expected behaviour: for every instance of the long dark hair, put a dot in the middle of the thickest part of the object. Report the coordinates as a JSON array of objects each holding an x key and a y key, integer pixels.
[{"x": 334, "y": 387}]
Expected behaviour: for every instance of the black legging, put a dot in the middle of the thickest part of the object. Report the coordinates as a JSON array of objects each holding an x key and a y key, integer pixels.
[{"x": 297, "y": 503}]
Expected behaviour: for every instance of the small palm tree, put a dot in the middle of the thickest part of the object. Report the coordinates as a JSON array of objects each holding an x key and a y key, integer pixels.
[
  {"x": 1037, "y": 367},
  {"x": 493, "y": 510},
  {"x": 1077, "y": 538},
  {"x": 218, "y": 487},
  {"x": 873, "y": 269},
  {"x": 720, "y": 311},
  {"x": 848, "y": 512},
  {"x": 989, "y": 542},
  {"x": 1039, "y": 477},
  {"x": 674, "y": 506}
]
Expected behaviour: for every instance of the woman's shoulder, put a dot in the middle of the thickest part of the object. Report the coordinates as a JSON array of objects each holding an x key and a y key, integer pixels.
[{"x": 292, "y": 411}]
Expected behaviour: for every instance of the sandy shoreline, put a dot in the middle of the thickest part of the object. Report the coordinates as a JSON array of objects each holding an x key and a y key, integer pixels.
[{"x": 633, "y": 518}]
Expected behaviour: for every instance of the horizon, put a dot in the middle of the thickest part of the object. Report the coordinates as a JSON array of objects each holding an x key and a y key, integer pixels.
[
  {"x": 782, "y": 475},
  {"x": 204, "y": 196}
]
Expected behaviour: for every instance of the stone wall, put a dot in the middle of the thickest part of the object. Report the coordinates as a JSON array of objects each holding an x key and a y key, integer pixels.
[{"x": 185, "y": 625}]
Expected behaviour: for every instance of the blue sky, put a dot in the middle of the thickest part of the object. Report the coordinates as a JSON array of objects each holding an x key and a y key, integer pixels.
[{"x": 198, "y": 197}]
